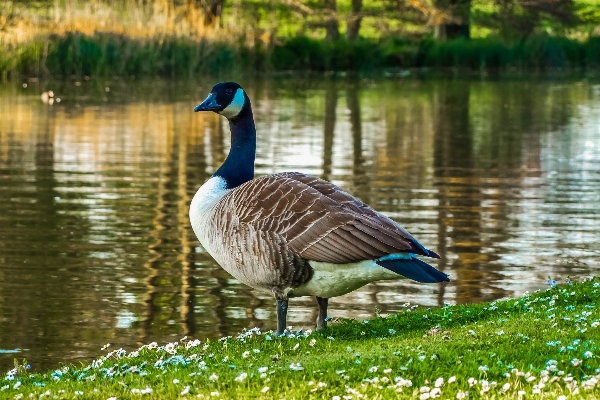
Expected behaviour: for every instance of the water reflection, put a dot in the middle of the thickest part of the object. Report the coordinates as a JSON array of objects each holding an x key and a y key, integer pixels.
[{"x": 501, "y": 178}]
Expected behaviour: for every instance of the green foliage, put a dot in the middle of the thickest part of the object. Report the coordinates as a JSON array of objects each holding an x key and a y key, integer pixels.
[
  {"x": 538, "y": 52},
  {"x": 114, "y": 55},
  {"x": 543, "y": 343},
  {"x": 520, "y": 19}
]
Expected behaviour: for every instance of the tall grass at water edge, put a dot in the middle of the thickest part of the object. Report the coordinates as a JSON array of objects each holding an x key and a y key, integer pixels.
[{"x": 104, "y": 54}]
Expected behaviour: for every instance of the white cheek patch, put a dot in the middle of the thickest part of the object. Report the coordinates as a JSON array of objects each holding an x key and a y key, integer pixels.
[{"x": 235, "y": 106}]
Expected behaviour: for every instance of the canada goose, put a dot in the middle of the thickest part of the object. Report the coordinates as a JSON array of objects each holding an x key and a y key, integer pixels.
[{"x": 292, "y": 234}]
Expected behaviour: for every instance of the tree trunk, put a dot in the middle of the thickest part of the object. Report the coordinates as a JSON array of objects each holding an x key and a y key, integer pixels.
[
  {"x": 332, "y": 26},
  {"x": 460, "y": 13},
  {"x": 213, "y": 12},
  {"x": 354, "y": 20}
]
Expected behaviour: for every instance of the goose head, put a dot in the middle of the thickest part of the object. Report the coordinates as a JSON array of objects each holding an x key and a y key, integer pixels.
[{"x": 227, "y": 99}]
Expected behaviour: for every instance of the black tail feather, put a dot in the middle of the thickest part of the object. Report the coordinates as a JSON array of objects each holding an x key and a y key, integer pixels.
[
  {"x": 414, "y": 269},
  {"x": 433, "y": 254}
]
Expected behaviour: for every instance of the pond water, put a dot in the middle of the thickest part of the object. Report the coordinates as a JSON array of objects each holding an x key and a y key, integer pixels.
[{"x": 502, "y": 179}]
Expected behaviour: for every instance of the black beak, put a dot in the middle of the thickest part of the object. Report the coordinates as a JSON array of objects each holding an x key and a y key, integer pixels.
[{"x": 210, "y": 104}]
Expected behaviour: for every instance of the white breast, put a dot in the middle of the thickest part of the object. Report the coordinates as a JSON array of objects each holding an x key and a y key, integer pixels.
[{"x": 206, "y": 197}]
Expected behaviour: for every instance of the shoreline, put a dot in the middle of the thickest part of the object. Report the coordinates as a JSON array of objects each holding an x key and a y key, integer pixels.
[{"x": 541, "y": 343}]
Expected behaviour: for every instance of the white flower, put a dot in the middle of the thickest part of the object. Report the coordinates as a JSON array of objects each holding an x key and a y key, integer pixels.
[
  {"x": 561, "y": 397},
  {"x": 435, "y": 392},
  {"x": 256, "y": 351},
  {"x": 452, "y": 379},
  {"x": 462, "y": 395},
  {"x": 387, "y": 370},
  {"x": 112, "y": 398},
  {"x": 170, "y": 348},
  {"x": 246, "y": 354},
  {"x": 472, "y": 381},
  {"x": 336, "y": 398},
  {"x": 185, "y": 391},
  {"x": 588, "y": 354},
  {"x": 296, "y": 367},
  {"x": 521, "y": 393},
  {"x": 262, "y": 370},
  {"x": 213, "y": 377},
  {"x": 17, "y": 385},
  {"x": 439, "y": 382},
  {"x": 424, "y": 396},
  {"x": 312, "y": 342},
  {"x": 214, "y": 394},
  {"x": 373, "y": 369},
  {"x": 424, "y": 389},
  {"x": 152, "y": 345},
  {"x": 176, "y": 381},
  {"x": 321, "y": 384},
  {"x": 505, "y": 387},
  {"x": 575, "y": 362},
  {"x": 241, "y": 377},
  {"x": 265, "y": 389},
  {"x": 296, "y": 346},
  {"x": 148, "y": 390}
]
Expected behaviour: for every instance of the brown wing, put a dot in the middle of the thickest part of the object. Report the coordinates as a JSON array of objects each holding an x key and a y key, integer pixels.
[{"x": 320, "y": 221}]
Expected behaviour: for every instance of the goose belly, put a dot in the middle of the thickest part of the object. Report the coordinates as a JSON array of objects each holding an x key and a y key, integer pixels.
[{"x": 332, "y": 280}]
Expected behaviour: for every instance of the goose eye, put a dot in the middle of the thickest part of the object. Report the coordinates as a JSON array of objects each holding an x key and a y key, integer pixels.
[{"x": 228, "y": 91}]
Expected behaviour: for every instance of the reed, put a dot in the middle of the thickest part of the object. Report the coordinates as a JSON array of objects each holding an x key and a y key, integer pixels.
[{"x": 106, "y": 54}]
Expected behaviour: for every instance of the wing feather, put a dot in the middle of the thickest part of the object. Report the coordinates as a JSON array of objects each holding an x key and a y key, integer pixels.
[{"x": 318, "y": 220}]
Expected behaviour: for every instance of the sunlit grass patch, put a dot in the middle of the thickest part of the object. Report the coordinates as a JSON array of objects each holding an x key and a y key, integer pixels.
[{"x": 545, "y": 343}]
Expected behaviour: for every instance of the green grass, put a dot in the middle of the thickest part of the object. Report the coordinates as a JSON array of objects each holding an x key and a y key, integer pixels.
[
  {"x": 546, "y": 341},
  {"x": 106, "y": 54}
]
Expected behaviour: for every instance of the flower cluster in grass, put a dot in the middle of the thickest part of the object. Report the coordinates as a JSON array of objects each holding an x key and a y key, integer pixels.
[{"x": 541, "y": 344}]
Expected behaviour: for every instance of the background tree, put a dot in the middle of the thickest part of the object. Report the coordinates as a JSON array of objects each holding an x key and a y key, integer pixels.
[
  {"x": 450, "y": 19},
  {"x": 519, "y": 19},
  {"x": 354, "y": 20}
]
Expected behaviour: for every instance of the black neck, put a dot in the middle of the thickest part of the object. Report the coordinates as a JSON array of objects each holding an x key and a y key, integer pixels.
[{"x": 238, "y": 168}]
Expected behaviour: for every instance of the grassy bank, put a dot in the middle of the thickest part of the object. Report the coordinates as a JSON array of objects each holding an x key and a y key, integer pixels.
[
  {"x": 544, "y": 344},
  {"x": 124, "y": 56}
]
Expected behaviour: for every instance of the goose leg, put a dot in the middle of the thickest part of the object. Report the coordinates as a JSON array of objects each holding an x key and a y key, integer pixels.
[
  {"x": 282, "y": 307},
  {"x": 321, "y": 323}
]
